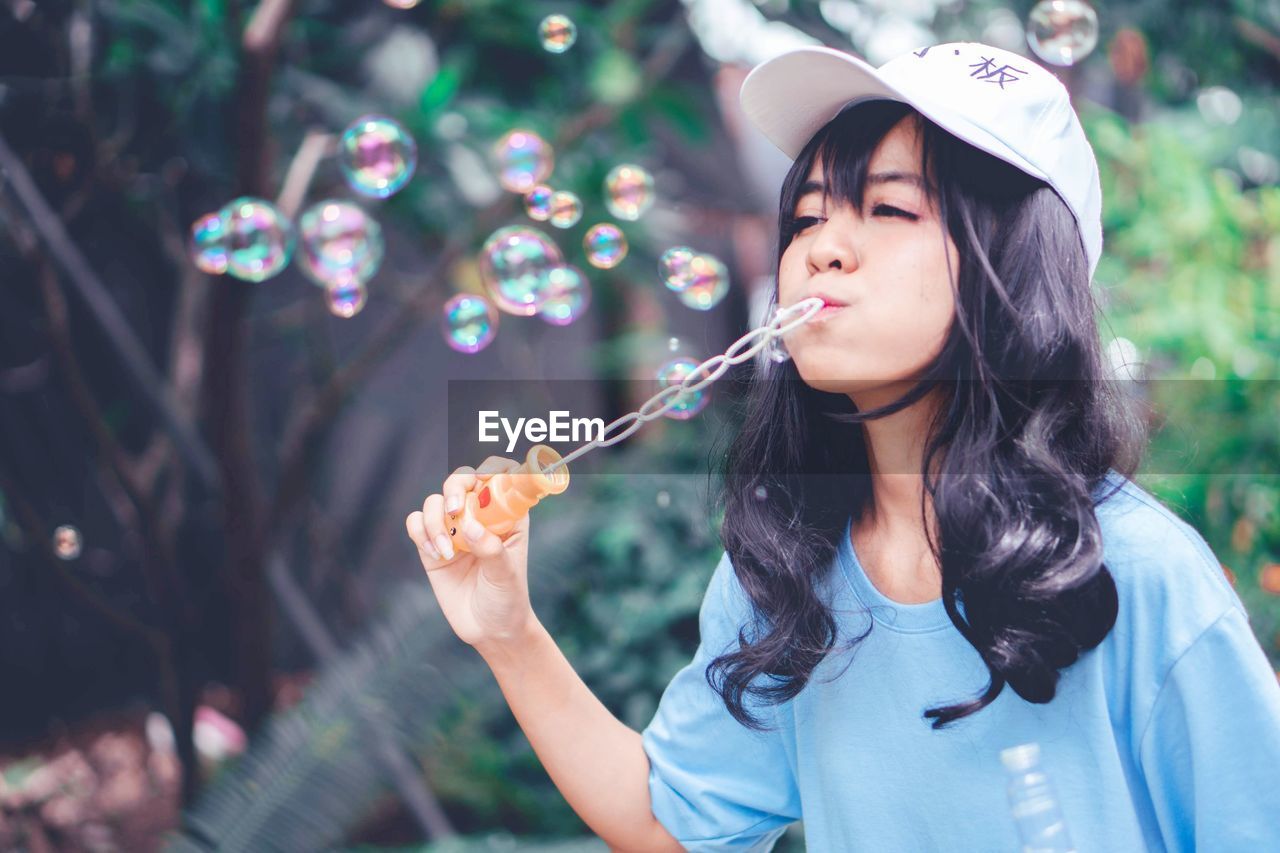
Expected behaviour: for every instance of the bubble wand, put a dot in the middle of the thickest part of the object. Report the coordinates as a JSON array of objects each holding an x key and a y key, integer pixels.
[{"x": 502, "y": 500}]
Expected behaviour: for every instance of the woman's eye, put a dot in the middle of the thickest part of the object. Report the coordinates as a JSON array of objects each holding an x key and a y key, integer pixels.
[
  {"x": 799, "y": 223},
  {"x": 889, "y": 210}
]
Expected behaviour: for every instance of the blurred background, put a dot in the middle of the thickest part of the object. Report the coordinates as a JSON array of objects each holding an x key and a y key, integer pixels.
[{"x": 248, "y": 252}]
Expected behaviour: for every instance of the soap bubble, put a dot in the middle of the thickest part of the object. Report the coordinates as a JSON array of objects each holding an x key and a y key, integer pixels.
[
  {"x": 377, "y": 155},
  {"x": 340, "y": 244},
  {"x": 346, "y": 300},
  {"x": 708, "y": 282},
  {"x": 675, "y": 267},
  {"x": 628, "y": 191},
  {"x": 568, "y": 295},
  {"x": 523, "y": 159},
  {"x": 208, "y": 244},
  {"x": 558, "y": 33},
  {"x": 663, "y": 499},
  {"x": 66, "y": 542},
  {"x": 605, "y": 244},
  {"x": 566, "y": 209},
  {"x": 1062, "y": 32},
  {"x": 537, "y": 202},
  {"x": 673, "y": 373},
  {"x": 260, "y": 239},
  {"x": 513, "y": 265},
  {"x": 469, "y": 322}
]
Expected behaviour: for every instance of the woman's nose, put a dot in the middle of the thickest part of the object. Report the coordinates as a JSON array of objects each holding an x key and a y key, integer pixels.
[{"x": 833, "y": 248}]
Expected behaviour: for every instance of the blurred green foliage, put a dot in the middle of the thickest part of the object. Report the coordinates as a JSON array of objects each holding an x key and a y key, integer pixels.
[{"x": 1191, "y": 275}]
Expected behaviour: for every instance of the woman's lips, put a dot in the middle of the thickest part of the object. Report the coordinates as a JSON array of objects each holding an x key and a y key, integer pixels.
[{"x": 827, "y": 311}]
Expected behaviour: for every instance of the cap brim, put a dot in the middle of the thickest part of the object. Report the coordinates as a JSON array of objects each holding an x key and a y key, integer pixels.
[{"x": 790, "y": 97}]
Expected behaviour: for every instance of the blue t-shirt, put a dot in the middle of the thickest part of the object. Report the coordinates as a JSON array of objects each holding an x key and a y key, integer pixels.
[{"x": 1164, "y": 737}]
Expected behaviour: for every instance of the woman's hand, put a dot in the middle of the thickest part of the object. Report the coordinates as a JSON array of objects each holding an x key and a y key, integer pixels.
[{"x": 484, "y": 593}]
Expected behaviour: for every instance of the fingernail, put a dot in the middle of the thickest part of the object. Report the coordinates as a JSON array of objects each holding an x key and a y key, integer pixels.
[
  {"x": 429, "y": 550},
  {"x": 453, "y": 503},
  {"x": 445, "y": 546},
  {"x": 473, "y": 530}
]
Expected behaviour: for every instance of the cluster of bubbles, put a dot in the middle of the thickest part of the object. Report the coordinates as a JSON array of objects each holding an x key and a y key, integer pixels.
[
  {"x": 557, "y": 33},
  {"x": 522, "y": 269},
  {"x": 700, "y": 279},
  {"x": 525, "y": 273},
  {"x": 249, "y": 239},
  {"x": 1062, "y": 32},
  {"x": 339, "y": 246}
]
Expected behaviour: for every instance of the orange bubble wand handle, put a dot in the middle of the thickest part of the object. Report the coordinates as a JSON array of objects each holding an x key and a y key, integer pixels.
[{"x": 502, "y": 500}]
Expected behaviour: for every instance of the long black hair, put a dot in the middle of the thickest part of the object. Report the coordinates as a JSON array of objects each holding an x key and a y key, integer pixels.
[{"x": 1027, "y": 426}]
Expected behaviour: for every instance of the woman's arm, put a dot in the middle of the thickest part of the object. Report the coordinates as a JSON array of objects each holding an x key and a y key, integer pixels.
[{"x": 596, "y": 761}]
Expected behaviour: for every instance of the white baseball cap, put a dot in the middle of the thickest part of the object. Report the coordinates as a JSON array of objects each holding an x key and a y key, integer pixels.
[{"x": 998, "y": 101}]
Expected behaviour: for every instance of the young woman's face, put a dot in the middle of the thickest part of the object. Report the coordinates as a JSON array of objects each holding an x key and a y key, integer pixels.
[{"x": 887, "y": 262}]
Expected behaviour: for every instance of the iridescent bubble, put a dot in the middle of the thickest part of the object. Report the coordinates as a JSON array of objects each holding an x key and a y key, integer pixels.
[
  {"x": 1062, "y": 32},
  {"x": 673, "y": 373},
  {"x": 537, "y": 202},
  {"x": 514, "y": 263},
  {"x": 558, "y": 33},
  {"x": 628, "y": 191},
  {"x": 761, "y": 493},
  {"x": 347, "y": 299},
  {"x": 708, "y": 282},
  {"x": 469, "y": 322},
  {"x": 675, "y": 267},
  {"x": 340, "y": 244},
  {"x": 66, "y": 542},
  {"x": 566, "y": 209},
  {"x": 208, "y": 244},
  {"x": 605, "y": 245},
  {"x": 569, "y": 294},
  {"x": 523, "y": 159},
  {"x": 663, "y": 499},
  {"x": 377, "y": 155},
  {"x": 260, "y": 239}
]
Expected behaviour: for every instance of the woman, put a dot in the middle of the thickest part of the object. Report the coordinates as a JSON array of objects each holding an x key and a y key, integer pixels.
[{"x": 933, "y": 550}]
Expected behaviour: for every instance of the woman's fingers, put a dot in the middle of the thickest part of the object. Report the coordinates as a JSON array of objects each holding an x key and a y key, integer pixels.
[
  {"x": 434, "y": 525},
  {"x": 417, "y": 530},
  {"x": 456, "y": 485}
]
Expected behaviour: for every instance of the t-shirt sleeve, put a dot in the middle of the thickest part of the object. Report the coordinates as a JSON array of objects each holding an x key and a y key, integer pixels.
[
  {"x": 715, "y": 784},
  {"x": 1211, "y": 750}
]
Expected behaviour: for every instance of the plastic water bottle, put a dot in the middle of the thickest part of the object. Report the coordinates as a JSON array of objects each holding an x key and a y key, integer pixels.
[{"x": 1033, "y": 802}]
